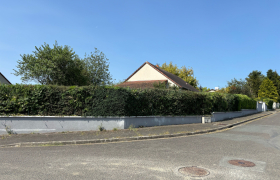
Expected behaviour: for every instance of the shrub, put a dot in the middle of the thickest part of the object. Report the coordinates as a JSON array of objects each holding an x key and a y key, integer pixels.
[
  {"x": 268, "y": 102},
  {"x": 245, "y": 102},
  {"x": 111, "y": 101}
]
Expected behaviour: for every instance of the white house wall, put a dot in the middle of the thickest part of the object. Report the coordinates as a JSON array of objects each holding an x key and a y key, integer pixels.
[{"x": 147, "y": 73}]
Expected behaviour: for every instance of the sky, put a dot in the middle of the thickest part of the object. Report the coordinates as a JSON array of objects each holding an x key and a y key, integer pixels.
[{"x": 219, "y": 39}]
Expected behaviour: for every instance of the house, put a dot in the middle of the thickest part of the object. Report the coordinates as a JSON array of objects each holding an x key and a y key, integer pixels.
[
  {"x": 214, "y": 90},
  {"x": 148, "y": 74},
  {"x": 3, "y": 79}
]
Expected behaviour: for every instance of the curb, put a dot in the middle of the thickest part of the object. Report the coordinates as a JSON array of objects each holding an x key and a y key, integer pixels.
[{"x": 94, "y": 141}]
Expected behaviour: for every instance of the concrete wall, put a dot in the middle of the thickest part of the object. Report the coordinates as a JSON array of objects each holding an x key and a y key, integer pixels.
[
  {"x": 41, "y": 124},
  {"x": 58, "y": 124},
  {"x": 29, "y": 124},
  {"x": 264, "y": 107},
  {"x": 261, "y": 106},
  {"x": 274, "y": 106},
  {"x": 219, "y": 116},
  {"x": 160, "y": 120},
  {"x": 147, "y": 73}
]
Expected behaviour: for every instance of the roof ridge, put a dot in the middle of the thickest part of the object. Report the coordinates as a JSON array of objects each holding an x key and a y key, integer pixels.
[
  {"x": 135, "y": 71},
  {"x": 157, "y": 68},
  {"x": 172, "y": 77},
  {"x": 176, "y": 79}
]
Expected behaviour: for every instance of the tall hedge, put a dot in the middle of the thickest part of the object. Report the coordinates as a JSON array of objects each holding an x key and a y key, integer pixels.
[
  {"x": 110, "y": 101},
  {"x": 246, "y": 102}
]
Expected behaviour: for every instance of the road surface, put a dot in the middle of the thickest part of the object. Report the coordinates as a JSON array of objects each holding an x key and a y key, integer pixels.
[{"x": 257, "y": 142}]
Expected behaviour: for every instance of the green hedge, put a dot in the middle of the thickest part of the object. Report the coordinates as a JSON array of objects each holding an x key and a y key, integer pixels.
[
  {"x": 245, "y": 102},
  {"x": 110, "y": 101}
]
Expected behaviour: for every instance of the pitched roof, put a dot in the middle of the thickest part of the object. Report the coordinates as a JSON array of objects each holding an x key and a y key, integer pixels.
[
  {"x": 175, "y": 79},
  {"x": 141, "y": 84},
  {"x": 5, "y": 78}
]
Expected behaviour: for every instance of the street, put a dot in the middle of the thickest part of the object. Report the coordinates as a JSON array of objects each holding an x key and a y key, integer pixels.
[{"x": 255, "y": 144}]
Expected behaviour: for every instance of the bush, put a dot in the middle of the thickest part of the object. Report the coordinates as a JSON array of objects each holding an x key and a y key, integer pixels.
[
  {"x": 111, "y": 101},
  {"x": 222, "y": 102},
  {"x": 245, "y": 102}
]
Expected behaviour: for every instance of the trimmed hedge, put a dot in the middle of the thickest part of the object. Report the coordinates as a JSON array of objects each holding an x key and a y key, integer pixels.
[
  {"x": 110, "y": 101},
  {"x": 245, "y": 102}
]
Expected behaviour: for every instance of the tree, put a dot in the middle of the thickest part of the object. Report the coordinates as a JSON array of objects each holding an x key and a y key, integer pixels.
[
  {"x": 268, "y": 90},
  {"x": 184, "y": 73},
  {"x": 60, "y": 65},
  {"x": 275, "y": 78},
  {"x": 239, "y": 87},
  {"x": 254, "y": 80},
  {"x": 204, "y": 89},
  {"x": 97, "y": 67}
]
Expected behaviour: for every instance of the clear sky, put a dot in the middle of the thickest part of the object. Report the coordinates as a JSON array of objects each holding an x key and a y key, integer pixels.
[{"x": 219, "y": 39}]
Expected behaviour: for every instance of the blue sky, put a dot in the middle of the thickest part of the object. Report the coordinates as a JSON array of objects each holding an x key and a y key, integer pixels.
[{"x": 219, "y": 39}]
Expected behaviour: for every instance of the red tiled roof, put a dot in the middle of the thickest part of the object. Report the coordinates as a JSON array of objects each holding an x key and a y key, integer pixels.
[
  {"x": 175, "y": 79},
  {"x": 141, "y": 84},
  {"x": 5, "y": 78}
]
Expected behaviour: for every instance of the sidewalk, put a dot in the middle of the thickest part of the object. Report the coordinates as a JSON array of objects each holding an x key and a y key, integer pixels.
[{"x": 89, "y": 137}]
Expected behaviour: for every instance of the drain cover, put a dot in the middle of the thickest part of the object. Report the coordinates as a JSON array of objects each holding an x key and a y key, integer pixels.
[
  {"x": 193, "y": 171},
  {"x": 241, "y": 163}
]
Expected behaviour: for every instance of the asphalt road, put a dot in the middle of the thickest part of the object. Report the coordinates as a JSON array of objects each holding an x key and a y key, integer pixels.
[{"x": 257, "y": 142}]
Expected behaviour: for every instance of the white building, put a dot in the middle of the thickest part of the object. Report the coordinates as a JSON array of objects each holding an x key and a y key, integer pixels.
[{"x": 147, "y": 74}]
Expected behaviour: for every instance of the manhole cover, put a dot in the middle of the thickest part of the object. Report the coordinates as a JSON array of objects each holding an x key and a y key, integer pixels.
[
  {"x": 241, "y": 163},
  {"x": 193, "y": 171}
]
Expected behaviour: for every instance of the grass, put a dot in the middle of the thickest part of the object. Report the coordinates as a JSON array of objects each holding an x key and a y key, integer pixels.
[
  {"x": 9, "y": 130},
  {"x": 54, "y": 144},
  {"x": 3, "y": 137},
  {"x": 101, "y": 128},
  {"x": 132, "y": 128},
  {"x": 138, "y": 134}
]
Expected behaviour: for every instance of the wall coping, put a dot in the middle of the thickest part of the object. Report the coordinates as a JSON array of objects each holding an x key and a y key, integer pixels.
[
  {"x": 227, "y": 112},
  {"x": 248, "y": 109},
  {"x": 234, "y": 111},
  {"x": 97, "y": 117}
]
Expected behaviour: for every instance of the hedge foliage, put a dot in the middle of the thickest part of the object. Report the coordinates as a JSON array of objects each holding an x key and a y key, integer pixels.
[
  {"x": 111, "y": 101},
  {"x": 269, "y": 103},
  {"x": 246, "y": 102}
]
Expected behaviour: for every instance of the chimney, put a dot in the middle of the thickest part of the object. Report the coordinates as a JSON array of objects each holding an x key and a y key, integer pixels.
[{"x": 157, "y": 66}]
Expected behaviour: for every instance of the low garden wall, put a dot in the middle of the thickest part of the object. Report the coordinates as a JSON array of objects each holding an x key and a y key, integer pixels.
[
  {"x": 35, "y": 124},
  {"x": 219, "y": 116},
  {"x": 44, "y": 124}
]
